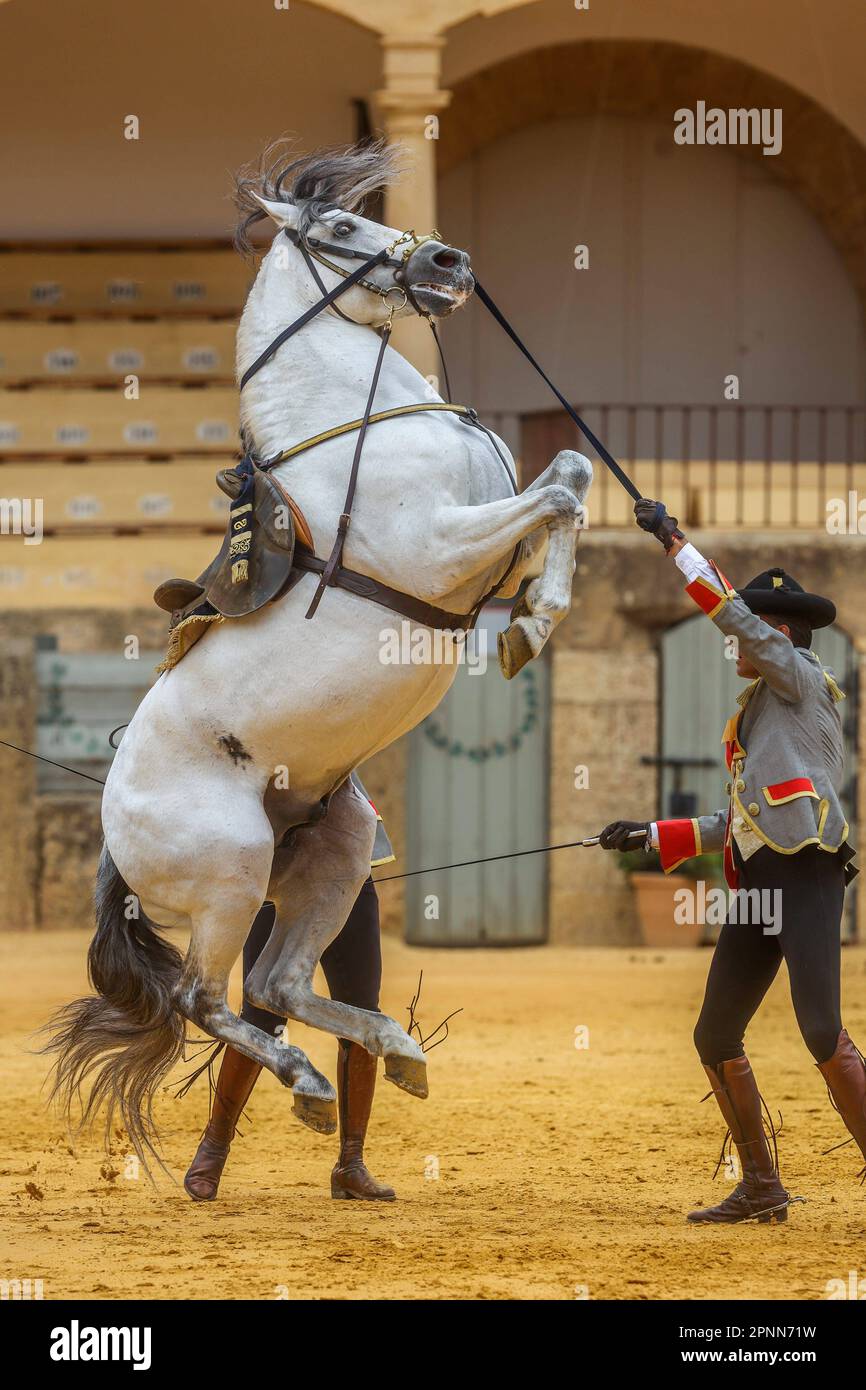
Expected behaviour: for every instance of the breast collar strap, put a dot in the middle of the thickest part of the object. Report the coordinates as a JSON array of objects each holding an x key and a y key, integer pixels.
[{"x": 465, "y": 414}]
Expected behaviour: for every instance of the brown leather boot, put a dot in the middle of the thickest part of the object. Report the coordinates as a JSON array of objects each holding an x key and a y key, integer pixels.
[
  {"x": 356, "y": 1082},
  {"x": 759, "y": 1194},
  {"x": 237, "y": 1077},
  {"x": 845, "y": 1074}
]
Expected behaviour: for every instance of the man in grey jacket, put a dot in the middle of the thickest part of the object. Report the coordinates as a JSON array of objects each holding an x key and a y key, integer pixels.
[{"x": 787, "y": 859}]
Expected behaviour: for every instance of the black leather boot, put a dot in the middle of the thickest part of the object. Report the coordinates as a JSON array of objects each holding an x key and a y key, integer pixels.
[{"x": 759, "y": 1195}]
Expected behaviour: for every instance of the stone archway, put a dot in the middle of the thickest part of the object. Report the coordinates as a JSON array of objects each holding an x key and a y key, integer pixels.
[{"x": 820, "y": 161}]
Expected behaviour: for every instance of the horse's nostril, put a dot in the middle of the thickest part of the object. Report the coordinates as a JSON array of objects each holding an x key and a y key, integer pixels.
[{"x": 446, "y": 260}]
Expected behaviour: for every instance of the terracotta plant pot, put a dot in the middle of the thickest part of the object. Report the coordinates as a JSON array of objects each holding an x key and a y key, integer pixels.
[{"x": 654, "y": 899}]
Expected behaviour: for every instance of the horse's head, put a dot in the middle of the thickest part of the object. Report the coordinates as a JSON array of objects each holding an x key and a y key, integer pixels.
[{"x": 317, "y": 200}]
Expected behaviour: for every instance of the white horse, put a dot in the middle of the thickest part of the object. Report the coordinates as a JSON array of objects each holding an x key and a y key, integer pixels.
[{"x": 200, "y": 827}]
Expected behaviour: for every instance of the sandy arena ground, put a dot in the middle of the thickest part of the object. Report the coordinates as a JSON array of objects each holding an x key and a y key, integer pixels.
[{"x": 535, "y": 1170}]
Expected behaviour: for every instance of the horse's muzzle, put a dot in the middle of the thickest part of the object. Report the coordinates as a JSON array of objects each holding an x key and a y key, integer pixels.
[{"x": 437, "y": 278}]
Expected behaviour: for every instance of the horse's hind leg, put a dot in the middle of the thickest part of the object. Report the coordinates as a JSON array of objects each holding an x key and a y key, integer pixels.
[
  {"x": 314, "y": 884},
  {"x": 219, "y": 928}
]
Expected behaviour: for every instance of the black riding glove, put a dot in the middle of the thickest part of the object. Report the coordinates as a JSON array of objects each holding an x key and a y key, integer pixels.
[
  {"x": 616, "y": 835},
  {"x": 652, "y": 516}
]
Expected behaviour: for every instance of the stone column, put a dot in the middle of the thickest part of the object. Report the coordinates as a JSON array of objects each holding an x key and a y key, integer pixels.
[
  {"x": 859, "y": 839},
  {"x": 409, "y": 105}
]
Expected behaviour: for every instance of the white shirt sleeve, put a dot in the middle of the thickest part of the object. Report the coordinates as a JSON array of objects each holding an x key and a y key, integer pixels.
[
  {"x": 691, "y": 563},
  {"x": 654, "y": 835}
]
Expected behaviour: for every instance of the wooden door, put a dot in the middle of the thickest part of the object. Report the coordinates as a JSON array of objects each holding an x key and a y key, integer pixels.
[{"x": 477, "y": 787}]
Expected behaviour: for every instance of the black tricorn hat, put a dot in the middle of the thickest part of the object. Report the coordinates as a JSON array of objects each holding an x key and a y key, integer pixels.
[{"x": 774, "y": 592}]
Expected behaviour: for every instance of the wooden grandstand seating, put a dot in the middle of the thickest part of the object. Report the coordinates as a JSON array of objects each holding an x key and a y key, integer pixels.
[
  {"x": 119, "y": 572},
  {"x": 185, "y": 281},
  {"x": 127, "y": 487},
  {"x": 122, "y": 494},
  {"x": 71, "y": 421},
  {"x": 103, "y": 350},
  {"x": 726, "y": 494}
]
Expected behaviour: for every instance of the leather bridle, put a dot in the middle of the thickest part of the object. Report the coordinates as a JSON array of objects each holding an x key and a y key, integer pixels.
[
  {"x": 331, "y": 571},
  {"x": 309, "y": 248}
]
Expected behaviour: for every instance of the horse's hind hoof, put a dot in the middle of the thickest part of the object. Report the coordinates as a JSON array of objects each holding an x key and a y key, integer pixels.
[
  {"x": 514, "y": 650},
  {"x": 408, "y": 1073},
  {"x": 315, "y": 1112},
  {"x": 520, "y": 609}
]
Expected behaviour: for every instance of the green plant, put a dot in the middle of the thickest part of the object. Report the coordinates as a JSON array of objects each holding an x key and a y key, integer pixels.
[
  {"x": 709, "y": 867},
  {"x": 637, "y": 861}
]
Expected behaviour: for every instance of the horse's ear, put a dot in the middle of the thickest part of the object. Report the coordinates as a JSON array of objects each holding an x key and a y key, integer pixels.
[{"x": 284, "y": 214}]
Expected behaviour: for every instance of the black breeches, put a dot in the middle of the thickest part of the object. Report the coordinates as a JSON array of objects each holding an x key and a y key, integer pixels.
[
  {"x": 352, "y": 963},
  {"x": 811, "y": 891}
]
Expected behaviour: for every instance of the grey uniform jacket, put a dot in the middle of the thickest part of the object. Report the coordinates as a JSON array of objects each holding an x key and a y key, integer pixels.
[
  {"x": 383, "y": 852},
  {"x": 784, "y": 748}
]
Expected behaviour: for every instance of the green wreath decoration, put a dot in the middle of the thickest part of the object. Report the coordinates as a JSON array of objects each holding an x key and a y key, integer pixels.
[{"x": 495, "y": 747}]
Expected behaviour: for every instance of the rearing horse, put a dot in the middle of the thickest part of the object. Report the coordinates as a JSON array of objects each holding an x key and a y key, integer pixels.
[{"x": 231, "y": 785}]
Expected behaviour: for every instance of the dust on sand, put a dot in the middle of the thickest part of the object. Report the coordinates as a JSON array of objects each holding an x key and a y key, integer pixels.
[{"x": 536, "y": 1169}]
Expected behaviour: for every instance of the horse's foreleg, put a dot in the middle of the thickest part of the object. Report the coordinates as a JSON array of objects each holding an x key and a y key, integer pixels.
[
  {"x": 467, "y": 541},
  {"x": 548, "y": 598},
  {"x": 479, "y": 536},
  {"x": 314, "y": 886},
  {"x": 534, "y": 547}
]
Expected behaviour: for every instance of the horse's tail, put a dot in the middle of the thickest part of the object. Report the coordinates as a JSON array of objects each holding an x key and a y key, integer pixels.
[{"x": 123, "y": 1040}]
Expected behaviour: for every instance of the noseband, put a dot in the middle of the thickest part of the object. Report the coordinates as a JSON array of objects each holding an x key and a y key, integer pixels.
[{"x": 311, "y": 249}]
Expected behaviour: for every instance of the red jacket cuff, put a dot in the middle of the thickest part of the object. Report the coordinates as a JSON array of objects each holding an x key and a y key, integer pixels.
[
  {"x": 679, "y": 840},
  {"x": 711, "y": 599}
]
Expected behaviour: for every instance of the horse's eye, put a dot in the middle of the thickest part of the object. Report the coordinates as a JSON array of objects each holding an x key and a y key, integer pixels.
[{"x": 343, "y": 229}]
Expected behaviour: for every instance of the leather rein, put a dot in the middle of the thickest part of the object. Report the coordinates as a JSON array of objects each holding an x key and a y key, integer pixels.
[{"x": 332, "y": 571}]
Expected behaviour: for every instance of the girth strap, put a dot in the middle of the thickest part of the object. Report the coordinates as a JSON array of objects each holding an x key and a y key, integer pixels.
[{"x": 405, "y": 604}]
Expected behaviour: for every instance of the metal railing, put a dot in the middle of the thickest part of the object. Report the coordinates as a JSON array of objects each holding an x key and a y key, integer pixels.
[{"x": 714, "y": 465}]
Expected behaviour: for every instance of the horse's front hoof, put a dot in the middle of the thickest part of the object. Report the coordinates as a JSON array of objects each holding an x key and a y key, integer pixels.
[
  {"x": 409, "y": 1073},
  {"x": 514, "y": 650},
  {"x": 315, "y": 1112}
]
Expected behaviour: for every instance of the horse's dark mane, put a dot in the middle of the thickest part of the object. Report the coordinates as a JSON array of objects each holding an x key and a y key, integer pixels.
[{"x": 344, "y": 176}]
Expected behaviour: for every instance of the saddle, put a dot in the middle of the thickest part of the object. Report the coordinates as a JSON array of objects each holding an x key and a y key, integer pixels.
[
  {"x": 255, "y": 561},
  {"x": 259, "y": 562}
]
